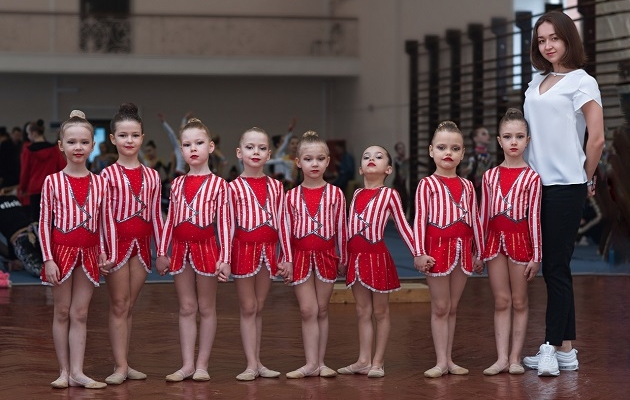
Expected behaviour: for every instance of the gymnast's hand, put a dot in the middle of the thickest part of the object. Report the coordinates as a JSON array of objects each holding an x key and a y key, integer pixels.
[{"x": 223, "y": 271}]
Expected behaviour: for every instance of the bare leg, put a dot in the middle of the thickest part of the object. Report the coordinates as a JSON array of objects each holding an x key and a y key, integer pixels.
[
  {"x": 307, "y": 298},
  {"x": 324, "y": 291},
  {"x": 458, "y": 283},
  {"x": 566, "y": 346},
  {"x": 119, "y": 305},
  {"x": 363, "y": 298},
  {"x": 187, "y": 296},
  {"x": 499, "y": 276},
  {"x": 262, "y": 286},
  {"x": 380, "y": 303},
  {"x": 520, "y": 306},
  {"x": 137, "y": 277},
  {"x": 251, "y": 291},
  {"x": 206, "y": 298},
  {"x": 82, "y": 289},
  {"x": 62, "y": 296},
  {"x": 439, "y": 288}
]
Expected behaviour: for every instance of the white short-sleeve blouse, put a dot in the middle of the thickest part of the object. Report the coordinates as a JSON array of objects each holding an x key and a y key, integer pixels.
[{"x": 557, "y": 126}]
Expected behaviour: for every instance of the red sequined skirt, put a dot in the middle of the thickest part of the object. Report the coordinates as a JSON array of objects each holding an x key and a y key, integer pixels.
[
  {"x": 449, "y": 247},
  {"x": 69, "y": 257},
  {"x": 322, "y": 259},
  {"x": 372, "y": 265},
  {"x": 509, "y": 238}
]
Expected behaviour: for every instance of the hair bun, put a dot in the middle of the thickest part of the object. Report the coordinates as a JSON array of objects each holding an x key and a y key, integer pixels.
[
  {"x": 310, "y": 134},
  {"x": 77, "y": 113},
  {"x": 447, "y": 124},
  {"x": 193, "y": 120},
  {"x": 514, "y": 112},
  {"x": 128, "y": 108}
]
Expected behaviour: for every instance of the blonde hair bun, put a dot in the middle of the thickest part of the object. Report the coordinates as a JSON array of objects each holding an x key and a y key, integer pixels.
[
  {"x": 310, "y": 134},
  {"x": 77, "y": 113}
]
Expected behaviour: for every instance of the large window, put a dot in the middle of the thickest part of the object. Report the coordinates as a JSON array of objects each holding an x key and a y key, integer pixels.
[{"x": 105, "y": 26}]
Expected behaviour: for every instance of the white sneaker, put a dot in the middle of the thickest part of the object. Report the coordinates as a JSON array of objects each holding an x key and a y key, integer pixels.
[
  {"x": 547, "y": 363},
  {"x": 567, "y": 361}
]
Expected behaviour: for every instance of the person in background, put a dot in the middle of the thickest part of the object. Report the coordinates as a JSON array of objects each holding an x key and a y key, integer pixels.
[
  {"x": 17, "y": 136},
  {"x": 344, "y": 166},
  {"x": 481, "y": 160},
  {"x": 401, "y": 173},
  {"x": 20, "y": 236},
  {"x": 9, "y": 162},
  {"x": 283, "y": 160},
  {"x": 562, "y": 102},
  {"x": 38, "y": 160},
  {"x": 103, "y": 160},
  {"x": 590, "y": 230},
  {"x": 179, "y": 167},
  {"x": 217, "y": 161},
  {"x": 152, "y": 160}
]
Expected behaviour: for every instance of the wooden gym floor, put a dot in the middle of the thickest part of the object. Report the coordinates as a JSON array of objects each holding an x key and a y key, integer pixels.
[{"x": 28, "y": 363}]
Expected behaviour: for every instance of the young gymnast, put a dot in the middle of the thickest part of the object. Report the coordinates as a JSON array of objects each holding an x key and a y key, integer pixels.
[
  {"x": 447, "y": 232},
  {"x": 196, "y": 262},
  {"x": 510, "y": 216},
  {"x": 260, "y": 220},
  {"x": 371, "y": 270},
  {"x": 74, "y": 230},
  {"x": 135, "y": 205},
  {"x": 317, "y": 213}
]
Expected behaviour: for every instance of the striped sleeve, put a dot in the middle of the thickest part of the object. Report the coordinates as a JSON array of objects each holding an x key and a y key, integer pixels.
[
  {"x": 395, "y": 205},
  {"x": 167, "y": 231},
  {"x": 421, "y": 220},
  {"x": 486, "y": 198},
  {"x": 45, "y": 219},
  {"x": 223, "y": 220},
  {"x": 107, "y": 223},
  {"x": 342, "y": 227},
  {"x": 291, "y": 205},
  {"x": 475, "y": 222},
  {"x": 284, "y": 230},
  {"x": 156, "y": 205},
  {"x": 535, "y": 195}
]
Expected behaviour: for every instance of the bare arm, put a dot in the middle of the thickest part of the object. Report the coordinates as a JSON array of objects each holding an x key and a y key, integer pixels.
[{"x": 594, "y": 115}]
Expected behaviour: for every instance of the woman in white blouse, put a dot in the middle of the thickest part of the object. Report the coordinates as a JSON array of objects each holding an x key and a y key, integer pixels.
[{"x": 561, "y": 103}]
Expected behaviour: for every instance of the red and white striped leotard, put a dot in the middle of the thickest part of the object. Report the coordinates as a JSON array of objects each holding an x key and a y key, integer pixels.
[
  {"x": 369, "y": 261},
  {"x": 258, "y": 223},
  {"x": 195, "y": 200},
  {"x": 510, "y": 214},
  {"x": 76, "y": 225},
  {"x": 318, "y": 220},
  {"x": 135, "y": 206},
  {"x": 447, "y": 223}
]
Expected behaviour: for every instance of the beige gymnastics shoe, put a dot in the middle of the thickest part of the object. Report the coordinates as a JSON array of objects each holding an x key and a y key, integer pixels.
[
  {"x": 435, "y": 372},
  {"x": 88, "y": 384}
]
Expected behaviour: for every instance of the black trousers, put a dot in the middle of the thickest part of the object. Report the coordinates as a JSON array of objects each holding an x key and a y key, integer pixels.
[{"x": 561, "y": 211}]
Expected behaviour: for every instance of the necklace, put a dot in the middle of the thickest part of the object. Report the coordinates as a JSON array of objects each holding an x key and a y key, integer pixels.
[{"x": 558, "y": 73}]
